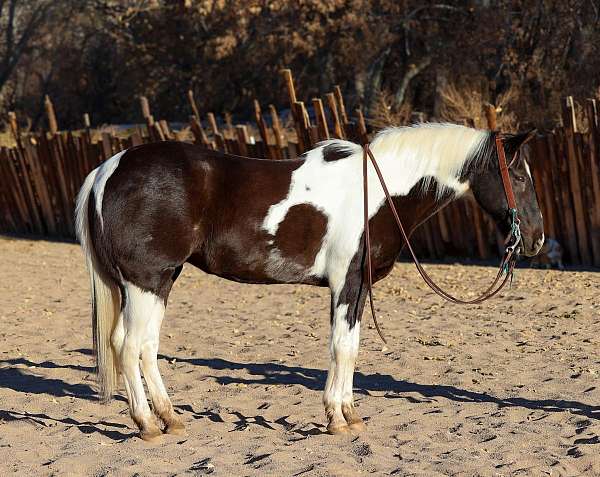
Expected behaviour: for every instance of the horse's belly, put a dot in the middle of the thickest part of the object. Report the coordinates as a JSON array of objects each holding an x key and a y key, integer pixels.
[{"x": 259, "y": 261}]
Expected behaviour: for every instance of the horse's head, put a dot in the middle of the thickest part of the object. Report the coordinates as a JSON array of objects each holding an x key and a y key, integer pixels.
[{"x": 486, "y": 183}]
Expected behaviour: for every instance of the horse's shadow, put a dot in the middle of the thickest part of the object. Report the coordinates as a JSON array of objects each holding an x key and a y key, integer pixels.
[
  {"x": 314, "y": 379},
  {"x": 86, "y": 427},
  {"x": 24, "y": 381}
]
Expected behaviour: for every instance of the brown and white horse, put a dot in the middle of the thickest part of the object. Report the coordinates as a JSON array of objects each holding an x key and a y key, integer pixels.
[{"x": 148, "y": 210}]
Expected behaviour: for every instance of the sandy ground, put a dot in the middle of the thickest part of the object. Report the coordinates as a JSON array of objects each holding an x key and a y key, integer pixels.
[{"x": 510, "y": 387}]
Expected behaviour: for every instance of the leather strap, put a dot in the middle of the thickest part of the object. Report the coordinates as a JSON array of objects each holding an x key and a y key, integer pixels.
[
  {"x": 510, "y": 197},
  {"x": 506, "y": 265}
]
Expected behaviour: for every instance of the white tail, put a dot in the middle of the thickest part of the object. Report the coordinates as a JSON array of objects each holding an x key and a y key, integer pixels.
[{"x": 106, "y": 300}]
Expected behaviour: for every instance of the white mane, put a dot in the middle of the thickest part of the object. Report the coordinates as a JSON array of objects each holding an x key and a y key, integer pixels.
[{"x": 435, "y": 150}]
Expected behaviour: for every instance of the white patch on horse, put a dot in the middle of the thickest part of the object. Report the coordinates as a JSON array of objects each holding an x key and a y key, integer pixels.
[
  {"x": 104, "y": 171},
  {"x": 527, "y": 169},
  {"x": 142, "y": 310},
  {"x": 343, "y": 348},
  {"x": 335, "y": 188}
]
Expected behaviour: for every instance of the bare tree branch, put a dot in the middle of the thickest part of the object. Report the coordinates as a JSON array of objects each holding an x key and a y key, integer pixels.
[{"x": 413, "y": 70}]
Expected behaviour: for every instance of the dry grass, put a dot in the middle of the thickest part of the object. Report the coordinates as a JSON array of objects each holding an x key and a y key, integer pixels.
[
  {"x": 464, "y": 106},
  {"x": 460, "y": 105},
  {"x": 384, "y": 114}
]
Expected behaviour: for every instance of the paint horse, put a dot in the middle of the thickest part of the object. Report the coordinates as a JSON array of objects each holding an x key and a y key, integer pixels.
[{"x": 148, "y": 210}]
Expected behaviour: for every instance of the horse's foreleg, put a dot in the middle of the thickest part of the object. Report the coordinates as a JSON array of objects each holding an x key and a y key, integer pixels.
[
  {"x": 161, "y": 404},
  {"x": 343, "y": 346}
]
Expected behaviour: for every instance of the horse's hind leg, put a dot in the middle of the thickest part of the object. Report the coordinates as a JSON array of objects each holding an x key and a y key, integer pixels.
[
  {"x": 161, "y": 403},
  {"x": 140, "y": 308},
  {"x": 346, "y": 310}
]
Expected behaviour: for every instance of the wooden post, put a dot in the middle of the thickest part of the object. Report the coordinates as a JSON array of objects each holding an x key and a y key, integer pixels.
[
  {"x": 562, "y": 198},
  {"x": 337, "y": 127},
  {"x": 40, "y": 186},
  {"x": 213, "y": 123},
  {"x": 289, "y": 82},
  {"x": 262, "y": 129},
  {"x": 166, "y": 131},
  {"x": 340, "y": 102},
  {"x": 145, "y": 107},
  {"x": 158, "y": 131},
  {"x": 242, "y": 138},
  {"x": 154, "y": 132},
  {"x": 193, "y": 105},
  {"x": 299, "y": 119},
  {"x": 321, "y": 119},
  {"x": 52, "y": 123},
  {"x": 19, "y": 192},
  {"x": 569, "y": 116},
  {"x": 229, "y": 125},
  {"x": 275, "y": 117},
  {"x": 198, "y": 132},
  {"x": 540, "y": 167},
  {"x": 592, "y": 161},
  {"x": 277, "y": 131},
  {"x": 87, "y": 123},
  {"x": 490, "y": 115},
  {"x": 570, "y": 126},
  {"x": 362, "y": 127},
  {"x": 136, "y": 138},
  {"x": 219, "y": 140},
  {"x": 302, "y": 126}
]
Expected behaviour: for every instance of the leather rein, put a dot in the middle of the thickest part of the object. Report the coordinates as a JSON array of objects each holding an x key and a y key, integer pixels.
[{"x": 509, "y": 258}]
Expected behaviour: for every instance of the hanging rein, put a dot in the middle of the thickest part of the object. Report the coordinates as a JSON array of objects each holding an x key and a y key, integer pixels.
[{"x": 509, "y": 258}]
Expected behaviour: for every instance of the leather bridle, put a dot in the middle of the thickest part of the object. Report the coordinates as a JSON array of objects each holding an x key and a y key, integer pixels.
[{"x": 509, "y": 258}]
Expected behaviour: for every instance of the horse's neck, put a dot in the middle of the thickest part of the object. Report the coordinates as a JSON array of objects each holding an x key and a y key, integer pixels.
[{"x": 418, "y": 206}]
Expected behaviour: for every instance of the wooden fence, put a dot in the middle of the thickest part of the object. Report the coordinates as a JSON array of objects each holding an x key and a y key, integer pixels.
[{"x": 40, "y": 177}]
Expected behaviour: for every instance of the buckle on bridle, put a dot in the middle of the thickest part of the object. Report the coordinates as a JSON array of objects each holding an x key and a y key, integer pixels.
[{"x": 515, "y": 232}]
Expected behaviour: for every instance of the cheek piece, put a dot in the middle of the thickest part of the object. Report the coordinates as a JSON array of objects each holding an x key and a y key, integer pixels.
[{"x": 514, "y": 238}]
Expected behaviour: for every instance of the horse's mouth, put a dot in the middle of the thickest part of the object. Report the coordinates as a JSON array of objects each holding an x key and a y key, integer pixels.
[{"x": 530, "y": 251}]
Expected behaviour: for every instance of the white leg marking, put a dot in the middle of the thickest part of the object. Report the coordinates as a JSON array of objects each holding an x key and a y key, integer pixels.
[
  {"x": 140, "y": 308},
  {"x": 158, "y": 394},
  {"x": 104, "y": 172},
  {"x": 343, "y": 348}
]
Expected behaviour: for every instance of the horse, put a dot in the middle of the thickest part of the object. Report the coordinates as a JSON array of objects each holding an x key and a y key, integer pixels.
[{"x": 149, "y": 209}]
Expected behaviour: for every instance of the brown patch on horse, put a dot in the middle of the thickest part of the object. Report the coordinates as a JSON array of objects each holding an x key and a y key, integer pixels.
[
  {"x": 333, "y": 153},
  {"x": 300, "y": 235}
]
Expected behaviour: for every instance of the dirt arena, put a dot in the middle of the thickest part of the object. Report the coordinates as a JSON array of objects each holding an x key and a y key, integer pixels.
[{"x": 510, "y": 387}]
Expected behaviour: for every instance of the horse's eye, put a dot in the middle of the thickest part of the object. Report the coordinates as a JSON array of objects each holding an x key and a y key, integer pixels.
[{"x": 520, "y": 178}]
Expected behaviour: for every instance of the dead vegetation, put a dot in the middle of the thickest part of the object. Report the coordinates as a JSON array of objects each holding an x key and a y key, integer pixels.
[{"x": 464, "y": 105}]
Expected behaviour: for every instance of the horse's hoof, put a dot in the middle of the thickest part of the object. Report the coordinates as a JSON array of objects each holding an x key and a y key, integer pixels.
[
  {"x": 338, "y": 429},
  {"x": 357, "y": 426},
  {"x": 176, "y": 428},
  {"x": 151, "y": 435}
]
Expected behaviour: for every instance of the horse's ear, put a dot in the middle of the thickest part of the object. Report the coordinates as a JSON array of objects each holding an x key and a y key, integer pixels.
[{"x": 516, "y": 141}]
